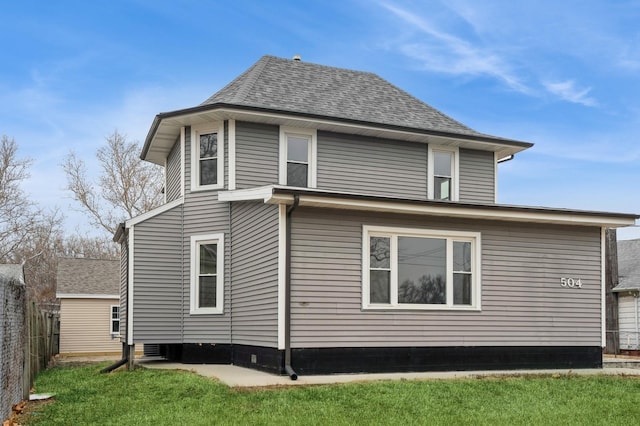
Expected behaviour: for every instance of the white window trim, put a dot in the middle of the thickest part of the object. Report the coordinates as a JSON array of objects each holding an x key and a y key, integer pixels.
[
  {"x": 196, "y": 131},
  {"x": 393, "y": 233},
  {"x": 312, "y": 134},
  {"x": 455, "y": 172},
  {"x": 196, "y": 240},
  {"x": 111, "y": 320}
]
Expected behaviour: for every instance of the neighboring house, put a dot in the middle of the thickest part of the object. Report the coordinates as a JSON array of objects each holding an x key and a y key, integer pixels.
[
  {"x": 628, "y": 290},
  {"x": 321, "y": 220},
  {"x": 88, "y": 290}
]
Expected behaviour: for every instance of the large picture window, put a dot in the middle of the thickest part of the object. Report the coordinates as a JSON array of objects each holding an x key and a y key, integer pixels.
[
  {"x": 418, "y": 269},
  {"x": 207, "y": 153},
  {"x": 207, "y": 273},
  {"x": 298, "y": 157}
]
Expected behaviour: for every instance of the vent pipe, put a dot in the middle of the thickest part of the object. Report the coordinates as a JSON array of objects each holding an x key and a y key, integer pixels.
[{"x": 297, "y": 58}]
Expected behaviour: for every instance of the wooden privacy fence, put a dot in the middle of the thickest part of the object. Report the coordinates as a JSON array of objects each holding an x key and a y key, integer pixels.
[{"x": 44, "y": 339}]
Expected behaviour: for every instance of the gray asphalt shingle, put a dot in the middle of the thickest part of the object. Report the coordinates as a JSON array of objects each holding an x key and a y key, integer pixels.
[
  {"x": 301, "y": 87},
  {"x": 88, "y": 276}
]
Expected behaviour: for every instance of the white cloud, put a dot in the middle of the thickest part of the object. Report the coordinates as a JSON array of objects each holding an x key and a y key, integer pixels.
[
  {"x": 445, "y": 53},
  {"x": 568, "y": 91}
]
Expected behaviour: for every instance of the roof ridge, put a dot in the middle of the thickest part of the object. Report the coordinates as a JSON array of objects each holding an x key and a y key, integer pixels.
[{"x": 253, "y": 74}]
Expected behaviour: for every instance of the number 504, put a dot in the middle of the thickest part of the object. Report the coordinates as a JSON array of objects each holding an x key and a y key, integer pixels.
[{"x": 571, "y": 282}]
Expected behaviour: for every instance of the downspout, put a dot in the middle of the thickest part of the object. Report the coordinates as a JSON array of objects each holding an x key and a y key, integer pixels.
[
  {"x": 637, "y": 323},
  {"x": 287, "y": 283},
  {"x": 121, "y": 233}
]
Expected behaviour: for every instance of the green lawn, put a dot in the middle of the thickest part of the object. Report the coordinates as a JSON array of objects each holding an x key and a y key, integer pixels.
[{"x": 160, "y": 397}]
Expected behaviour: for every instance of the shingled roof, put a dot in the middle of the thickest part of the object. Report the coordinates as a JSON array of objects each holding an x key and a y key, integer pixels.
[
  {"x": 295, "y": 86},
  {"x": 628, "y": 265},
  {"x": 88, "y": 276},
  {"x": 338, "y": 99}
]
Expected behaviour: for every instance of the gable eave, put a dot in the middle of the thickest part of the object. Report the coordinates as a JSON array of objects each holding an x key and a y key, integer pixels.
[{"x": 165, "y": 129}]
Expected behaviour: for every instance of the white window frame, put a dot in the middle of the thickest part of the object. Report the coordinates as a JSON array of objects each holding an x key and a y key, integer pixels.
[
  {"x": 455, "y": 170},
  {"x": 393, "y": 233},
  {"x": 311, "y": 135},
  {"x": 196, "y": 241},
  {"x": 196, "y": 131},
  {"x": 112, "y": 320}
]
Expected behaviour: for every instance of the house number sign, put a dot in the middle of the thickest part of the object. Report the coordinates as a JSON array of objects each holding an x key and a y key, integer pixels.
[{"x": 571, "y": 282}]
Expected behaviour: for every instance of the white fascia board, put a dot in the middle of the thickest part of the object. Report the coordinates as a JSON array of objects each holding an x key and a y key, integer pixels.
[
  {"x": 260, "y": 193},
  {"x": 86, "y": 296},
  {"x": 562, "y": 218},
  {"x": 152, "y": 213}
]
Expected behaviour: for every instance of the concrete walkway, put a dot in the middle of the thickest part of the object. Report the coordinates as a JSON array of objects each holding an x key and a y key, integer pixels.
[{"x": 240, "y": 377}]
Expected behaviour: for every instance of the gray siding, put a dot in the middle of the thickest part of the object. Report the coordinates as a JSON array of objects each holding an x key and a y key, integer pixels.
[
  {"x": 173, "y": 174},
  {"x": 204, "y": 214},
  {"x": 372, "y": 166},
  {"x": 157, "y": 278},
  {"x": 257, "y": 147},
  {"x": 522, "y": 301},
  {"x": 628, "y": 322},
  {"x": 254, "y": 251},
  {"x": 477, "y": 176}
]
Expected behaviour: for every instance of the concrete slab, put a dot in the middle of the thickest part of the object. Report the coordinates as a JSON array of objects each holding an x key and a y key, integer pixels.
[{"x": 234, "y": 376}]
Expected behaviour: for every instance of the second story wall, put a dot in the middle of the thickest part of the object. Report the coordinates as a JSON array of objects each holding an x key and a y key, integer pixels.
[
  {"x": 256, "y": 154},
  {"x": 173, "y": 173},
  {"x": 477, "y": 176},
  {"x": 350, "y": 163}
]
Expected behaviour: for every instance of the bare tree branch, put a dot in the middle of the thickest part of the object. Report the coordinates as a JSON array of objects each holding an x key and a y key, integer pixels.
[{"x": 126, "y": 186}]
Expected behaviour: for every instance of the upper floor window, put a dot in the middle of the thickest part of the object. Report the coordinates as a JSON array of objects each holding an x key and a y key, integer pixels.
[
  {"x": 443, "y": 173},
  {"x": 419, "y": 269},
  {"x": 207, "y": 159},
  {"x": 298, "y": 157},
  {"x": 207, "y": 273}
]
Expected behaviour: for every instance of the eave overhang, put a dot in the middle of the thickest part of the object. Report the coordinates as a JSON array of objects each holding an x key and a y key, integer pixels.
[
  {"x": 165, "y": 129},
  {"x": 275, "y": 194}
]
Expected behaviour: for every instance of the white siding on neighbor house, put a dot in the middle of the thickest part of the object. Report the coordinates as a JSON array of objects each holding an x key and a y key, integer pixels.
[
  {"x": 523, "y": 303},
  {"x": 173, "y": 174},
  {"x": 389, "y": 168},
  {"x": 256, "y": 154},
  {"x": 204, "y": 214},
  {"x": 85, "y": 326},
  {"x": 477, "y": 176},
  {"x": 254, "y": 249},
  {"x": 628, "y": 318},
  {"x": 157, "y": 256}
]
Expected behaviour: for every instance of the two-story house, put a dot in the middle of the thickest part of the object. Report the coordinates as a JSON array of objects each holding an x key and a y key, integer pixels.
[{"x": 321, "y": 220}]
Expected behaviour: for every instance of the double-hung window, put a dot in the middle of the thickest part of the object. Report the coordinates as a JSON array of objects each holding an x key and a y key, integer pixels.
[
  {"x": 443, "y": 174},
  {"x": 297, "y": 157},
  {"x": 207, "y": 154},
  {"x": 420, "y": 269},
  {"x": 115, "y": 319},
  {"x": 207, "y": 273}
]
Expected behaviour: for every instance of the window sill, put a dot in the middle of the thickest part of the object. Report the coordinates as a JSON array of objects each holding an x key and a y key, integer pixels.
[
  {"x": 207, "y": 188},
  {"x": 422, "y": 308},
  {"x": 206, "y": 311}
]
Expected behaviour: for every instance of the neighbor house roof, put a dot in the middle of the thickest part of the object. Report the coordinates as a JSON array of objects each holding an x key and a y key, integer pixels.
[
  {"x": 628, "y": 265},
  {"x": 85, "y": 277},
  {"x": 298, "y": 88}
]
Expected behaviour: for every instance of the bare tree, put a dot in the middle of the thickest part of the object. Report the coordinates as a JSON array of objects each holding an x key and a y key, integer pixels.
[
  {"x": 126, "y": 186},
  {"x": 18, "y": 214}
]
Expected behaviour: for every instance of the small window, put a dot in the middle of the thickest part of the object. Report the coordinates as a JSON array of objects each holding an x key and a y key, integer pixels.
[
  {"x": 418, "y": 269},
  {"x": 115, "y": 319},
  {"x": 297, "y": 158},
  {"x": 442, "y": 171},
  {"x": 207, "y": 280},
  {"x": 207, "y": 147}
]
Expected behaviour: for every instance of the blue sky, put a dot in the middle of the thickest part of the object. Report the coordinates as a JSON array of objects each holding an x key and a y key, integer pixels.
[{"x": 563, "y": 75}]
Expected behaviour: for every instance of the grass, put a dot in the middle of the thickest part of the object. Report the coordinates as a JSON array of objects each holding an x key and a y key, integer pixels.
[{"x": 160, "y": 397}]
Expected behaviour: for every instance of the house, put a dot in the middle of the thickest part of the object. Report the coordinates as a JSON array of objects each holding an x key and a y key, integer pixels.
[
  {"x": 628, "y": 290},
  {"x": 89, "y": 293},
  {"x": 321, "y": 220}
]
